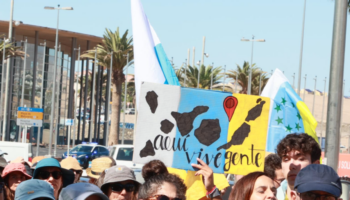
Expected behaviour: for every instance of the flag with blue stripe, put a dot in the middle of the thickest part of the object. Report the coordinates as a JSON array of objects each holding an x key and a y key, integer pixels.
[
  {"x": 150, "y": 61},
  {"x": 288, "y": 113}
]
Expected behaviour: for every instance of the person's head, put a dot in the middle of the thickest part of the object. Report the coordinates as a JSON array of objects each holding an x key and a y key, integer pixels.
[
  {"x": 120, "y": 183},
  {"x": 152, "y": 168},
  {"x": 254, "y": 186},
  {"x": 273, "y": 168},
  {"x": 72, "y": 164},
  {"x": 99, "y": 165},
  {"x": 82, "y": 191},
  {"x": 317, "y": 180},
  {"x": 296, "y": 152},
  {"x": 34, "y": 189},
  {"x": 14, "y": 174},
  {"x": 169, "y": 185},
  {"x": 49, "y": 170}
]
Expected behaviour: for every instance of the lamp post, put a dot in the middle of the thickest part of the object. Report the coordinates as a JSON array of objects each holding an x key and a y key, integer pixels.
[
  {"x": 186, "y": 65},
  {"x": 7, "y": 75},
  {"x": 23, "y": 84},
  {"x": 301, "y": 49},
  {"x": 223, "y": 85},
  {"x": 2, "y": 77},
  {"x": 313, "y": 104},
  {"x": 75, "y": 99},
  {"x": 251, "y": 60},
  {"x": 293, "y": 80},
  {"x": 199, "y": 67},
  {"x": 304, "y": 87},
  {"x": 54, "y": 71},
  {"x": 93, "y": 95},
  {"x": 125, "y": 90},
  {"x": 260, "y": 81},
  {"x": 109, "y": 95},
  {"x": 41, "y": 97},
  {"x": 211, "y": 77}
]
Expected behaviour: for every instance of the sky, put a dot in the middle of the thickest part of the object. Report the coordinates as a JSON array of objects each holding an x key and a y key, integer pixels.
[{"x": 181, "y": 25}]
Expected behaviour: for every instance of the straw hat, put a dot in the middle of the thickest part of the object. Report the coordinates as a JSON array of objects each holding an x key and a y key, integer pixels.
[
  {"x": 71, "y": 163},
  {"x": 37, "y": 159},
  {"x": 99, "y": 165}
]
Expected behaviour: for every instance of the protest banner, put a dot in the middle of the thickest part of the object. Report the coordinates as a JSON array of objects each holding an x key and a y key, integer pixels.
[{"x": 178, "y": 125}]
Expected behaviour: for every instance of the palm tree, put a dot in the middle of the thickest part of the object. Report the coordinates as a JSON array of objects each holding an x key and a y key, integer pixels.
[
  {"x": 205, "y": 74},
  {"x": 242, "y": 73},
  {"x": 120, "y": 46},
  {"x": 10, "y": 50}
]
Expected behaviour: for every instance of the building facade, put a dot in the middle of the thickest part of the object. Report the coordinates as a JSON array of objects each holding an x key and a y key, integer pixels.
[{"x": 39, "y": 74}]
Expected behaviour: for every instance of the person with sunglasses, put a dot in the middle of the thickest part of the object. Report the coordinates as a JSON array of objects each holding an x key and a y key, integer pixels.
[
  {"x": 317, "y": 182},
  {"x": 50, "y": 170},
  {"x": 34, "y": 190},
  {"x": 13, "y": 175},
  {"x": 72, "y": 164},
  {"x": 120, "y": 183}
]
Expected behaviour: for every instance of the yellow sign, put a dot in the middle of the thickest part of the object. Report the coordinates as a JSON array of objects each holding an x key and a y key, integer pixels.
[
  {"x": 250, "y": 126},
  {"x": 29, "y": 115}
]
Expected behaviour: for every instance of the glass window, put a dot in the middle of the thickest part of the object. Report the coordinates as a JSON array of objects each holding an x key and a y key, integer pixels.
[
  {"x": 125, "y": 154},
  {"x": 81, "y": 148}
]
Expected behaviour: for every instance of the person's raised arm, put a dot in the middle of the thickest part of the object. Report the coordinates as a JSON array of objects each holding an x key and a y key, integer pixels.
[{"x": 208, "y": 179}]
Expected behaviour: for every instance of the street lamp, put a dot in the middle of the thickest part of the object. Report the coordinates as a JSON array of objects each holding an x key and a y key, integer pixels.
[
  {"x": 54, "y": 71},
  {"x": 251, "y": 61},
  {"x": 301, "y": 50},
  {"x": 199, "y": 67}
]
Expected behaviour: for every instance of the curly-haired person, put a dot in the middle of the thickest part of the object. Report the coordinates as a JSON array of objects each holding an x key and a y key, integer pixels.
[{"x": 296, "y": 151}]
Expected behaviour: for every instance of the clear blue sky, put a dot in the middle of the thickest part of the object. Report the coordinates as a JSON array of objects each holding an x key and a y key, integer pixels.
[{"x": 181, "y": 24}]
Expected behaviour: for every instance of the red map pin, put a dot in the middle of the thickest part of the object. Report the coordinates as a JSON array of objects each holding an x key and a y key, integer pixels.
[{"x": 230, "y": 104}]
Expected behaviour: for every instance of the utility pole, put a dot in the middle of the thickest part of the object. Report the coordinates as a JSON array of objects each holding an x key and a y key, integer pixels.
[
  {"x": 193, "y": 61},
  {"x": 7, "y": 76},
  {"x": 125, "y": 94},
  {"x": 211, "y": 77},
  {"x": 304, "y": 88},
  {"x": 313, "y": 103},
  {"x": 335, "y": 84},
  {"x": 93, "y": 94},
  {"x": 324, "y": 97},
  {"x": 301, "y": 49},
  {"x": 186, "y": 65}
]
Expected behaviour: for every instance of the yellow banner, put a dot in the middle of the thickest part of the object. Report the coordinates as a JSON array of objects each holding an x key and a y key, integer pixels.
[
  {"x": 29, "y": 115},
  {"x": 247, "y": 133}
]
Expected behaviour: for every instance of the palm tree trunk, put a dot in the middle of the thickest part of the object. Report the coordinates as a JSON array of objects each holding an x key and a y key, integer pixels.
[{"x": 116, "y": 107}]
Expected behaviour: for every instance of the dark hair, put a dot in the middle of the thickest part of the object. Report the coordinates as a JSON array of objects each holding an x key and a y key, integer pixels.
[
  {"x": 272, "y": 162},
  {"x": 301, "y": 142},
  {"x": 244, "y": 187},
  {"x": 152, "y": 168},
  {"x": 151, "y": 186}
]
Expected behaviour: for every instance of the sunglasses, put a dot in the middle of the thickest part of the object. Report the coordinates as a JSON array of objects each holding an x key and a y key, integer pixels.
[
  {"x": 162, "y": 197},
  {"x": 117, "y": 187},
  {"x": 77, "y": 171},
  {"x": 46, "y": 174}
]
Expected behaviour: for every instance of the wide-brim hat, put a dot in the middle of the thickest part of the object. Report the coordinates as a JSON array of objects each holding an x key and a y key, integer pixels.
[
  {"x": 34, "y": 189},
  {"x": 71, "y": 163},
  {"x": 67, "y": 175},
  {"x": 118, "y": 174},
  {"x": 99, "y": 165},
  {"x": 81, "y": 191},
  {"x": 15, "y": 167}
]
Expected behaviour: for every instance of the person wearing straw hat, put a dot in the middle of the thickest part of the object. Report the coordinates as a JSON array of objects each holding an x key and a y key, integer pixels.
[
  {"x": 82, "y": 191},
  {"x": 72, "y": 164},
  {"x": 13, "y": 175},
  {"x": 120, "y": 183},
  {"x": 50, "y": 170},
  {"x": 98, "y": 165},
  {"x": 34, "y": 189}
]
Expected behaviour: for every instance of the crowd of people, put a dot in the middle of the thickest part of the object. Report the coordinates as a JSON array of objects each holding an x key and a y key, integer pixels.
[{"x": 293, "y": 173}]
